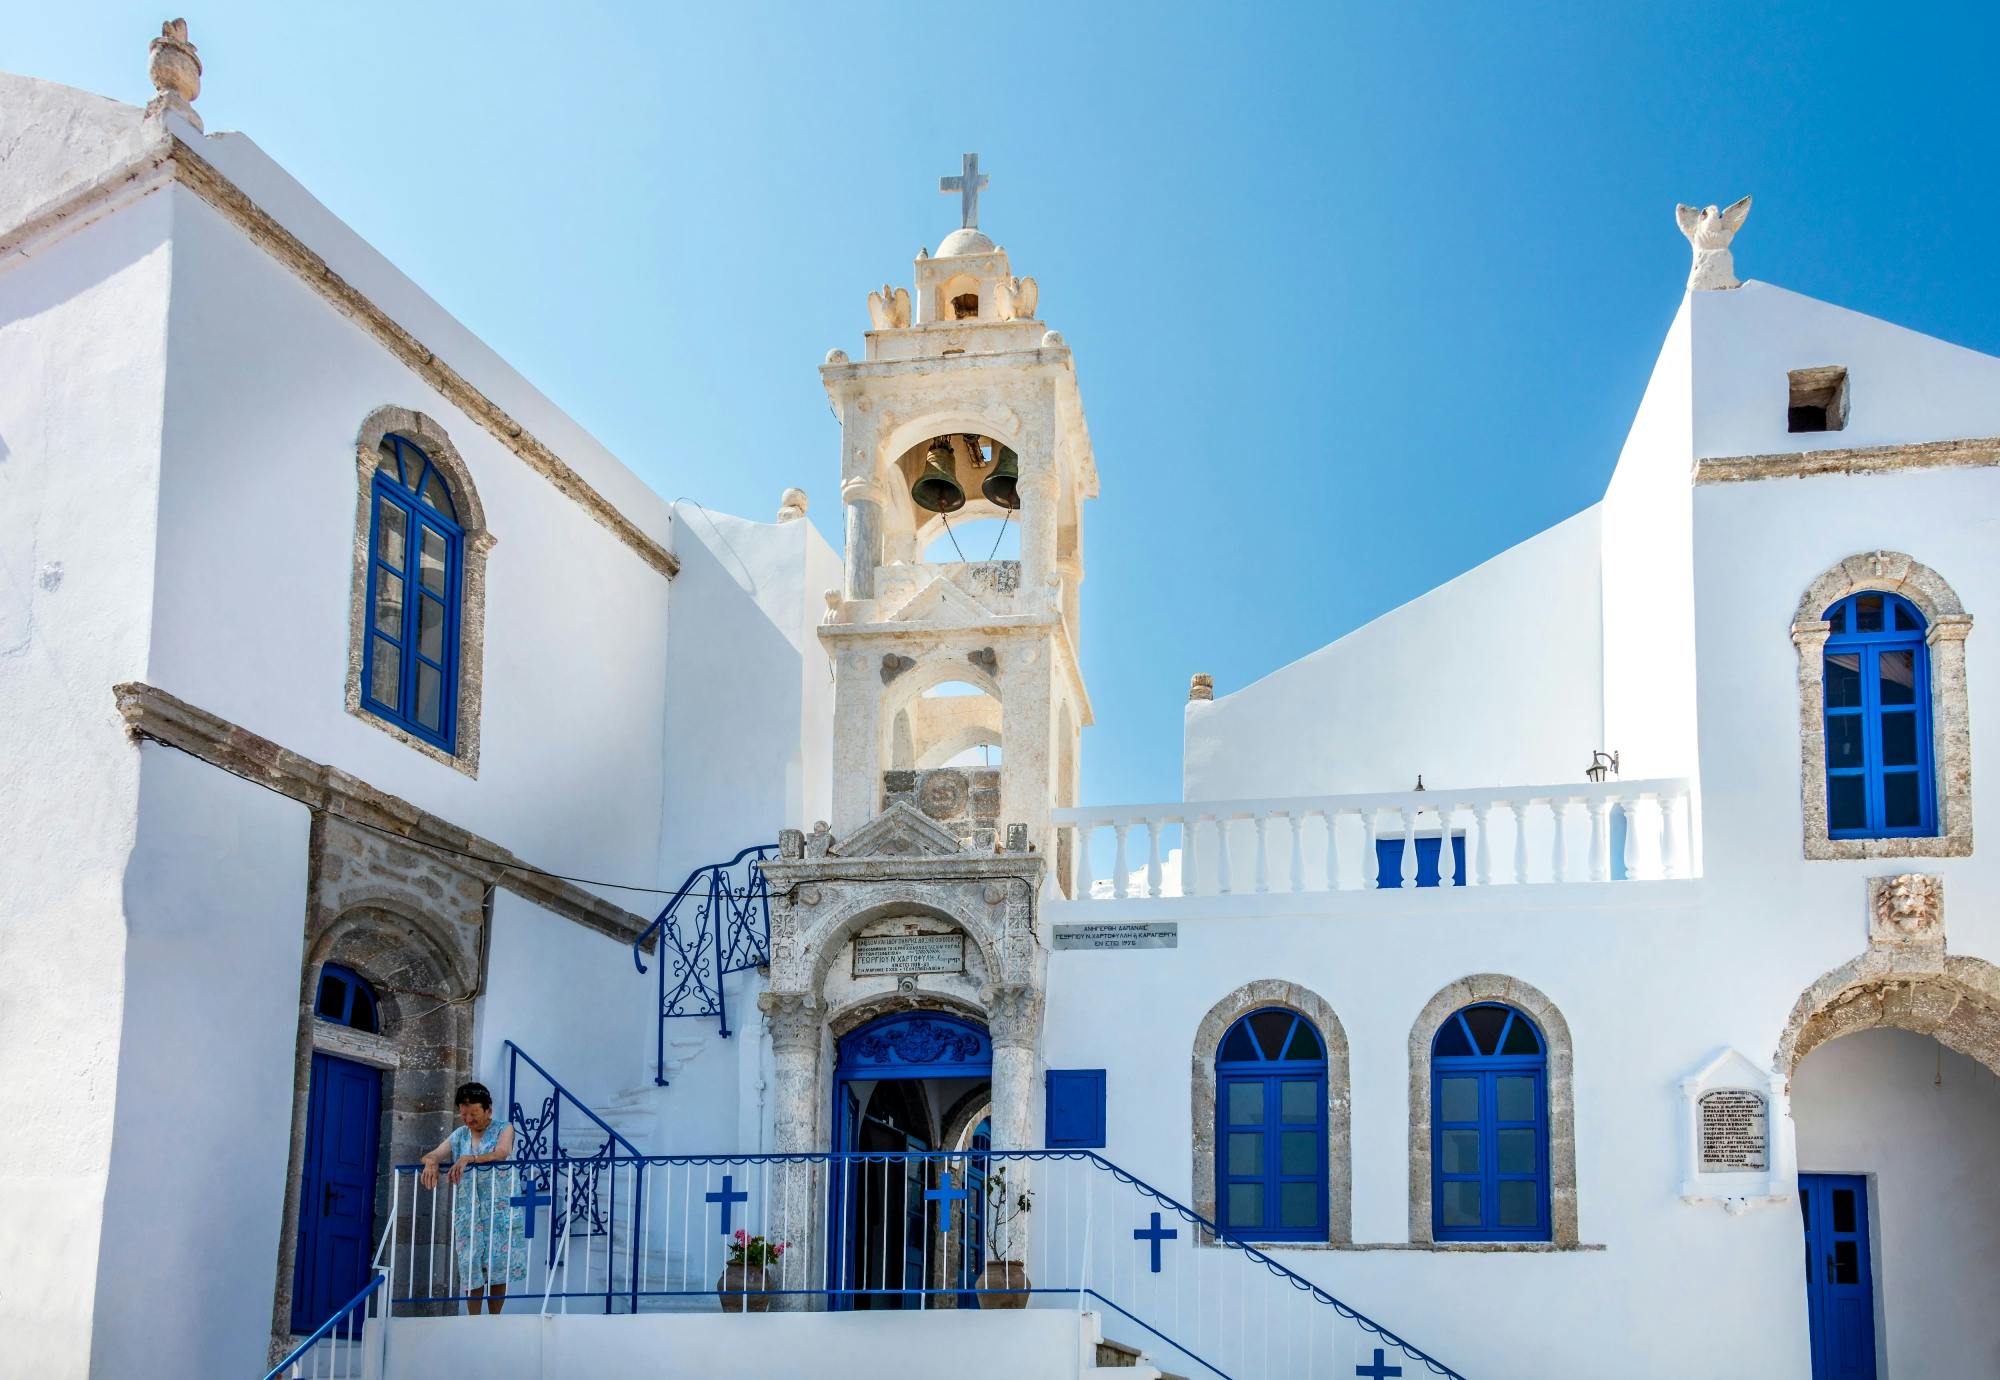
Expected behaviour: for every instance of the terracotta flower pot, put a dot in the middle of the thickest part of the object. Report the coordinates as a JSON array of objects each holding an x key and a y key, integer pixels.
[
  {"x": 1003, "y": 1275},
  {"x": 741, "y": 1289}
]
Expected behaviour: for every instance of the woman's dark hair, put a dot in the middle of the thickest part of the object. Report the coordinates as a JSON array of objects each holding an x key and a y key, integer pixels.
[{"x": 472, "y": 1093}]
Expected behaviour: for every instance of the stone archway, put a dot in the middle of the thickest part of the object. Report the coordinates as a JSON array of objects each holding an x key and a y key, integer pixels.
[{"x": 1955, "y": 1001}]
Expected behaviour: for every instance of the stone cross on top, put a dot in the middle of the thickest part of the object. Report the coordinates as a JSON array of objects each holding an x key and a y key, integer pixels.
[{"x": 967, "y": 184}]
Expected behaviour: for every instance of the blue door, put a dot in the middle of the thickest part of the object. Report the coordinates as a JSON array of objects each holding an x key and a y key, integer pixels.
[
  {"x": 1840, "y": 1285},
  {"x": 336, "y": 1189}
]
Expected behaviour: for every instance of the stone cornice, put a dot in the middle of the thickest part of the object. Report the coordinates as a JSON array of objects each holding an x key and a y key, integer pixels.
[
  {"x": 1976, "y": 452},
  {"x": 786, "y": 873},
  {"x": 152, "y": 713},
  {"x": 175, "y": 159}
]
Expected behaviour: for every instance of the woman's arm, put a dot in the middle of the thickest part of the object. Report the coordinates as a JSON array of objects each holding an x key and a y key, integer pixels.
[
  {"x": 429, "y": 1175},
  {"x": 503, "y": 1148}
]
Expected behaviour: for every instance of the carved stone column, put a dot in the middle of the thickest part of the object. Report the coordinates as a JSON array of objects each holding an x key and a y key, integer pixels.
[
  {"x": 795, "y": 1021},
  {"x": 864, "y": 538},
  {"x": 1014, "y": 1020}
]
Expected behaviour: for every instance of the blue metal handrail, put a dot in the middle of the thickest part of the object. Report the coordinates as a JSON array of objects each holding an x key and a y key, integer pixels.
[
  {"x": 515, "y": 1052},
  {"x": 325, "y": 1329},
  {"x": 1187, "y": 1214},
  {"x": 730, "y": 932}
]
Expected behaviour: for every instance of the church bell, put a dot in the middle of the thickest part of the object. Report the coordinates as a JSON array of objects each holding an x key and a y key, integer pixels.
[
  {"x": 936, "y": 489},
  {"x": 1002, "y": 487}
]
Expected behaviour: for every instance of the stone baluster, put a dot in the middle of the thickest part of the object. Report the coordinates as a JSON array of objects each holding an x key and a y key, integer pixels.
[
  {"x": 1153, "y": 827},
  {"x": 1559, "y": 849},
  {"x": 1409, "y": 848},
  {"x": 1634, "y": 856},
  {"x": 1520, "y": 809},
  {"x": 1447, "y": 856},
  {"x": 1295, "y": 822},
  {"x": 1332, "y": 818},
  {"x": 1081, "y": 864},
  {"x": 1121, "y": 873},
  {"x": 1600, "y": 839},
  {"x": 1263, "y": 873},
  {"x": 1482, "y": 847},
  {"x": 1190, "y": 856},
  {"x": 1222, "y": 855},
  {"x": 1371, "y": 856},
  {"x": 1673, "y": 813}
]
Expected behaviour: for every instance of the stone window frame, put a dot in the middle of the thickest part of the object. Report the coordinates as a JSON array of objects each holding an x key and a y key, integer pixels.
[
  {"x": 1947, "y": 625},
  {"x": 430, "y": 437},
  {"x": 1470, "y": 991},
  {"x": 1253, "y": 996}
]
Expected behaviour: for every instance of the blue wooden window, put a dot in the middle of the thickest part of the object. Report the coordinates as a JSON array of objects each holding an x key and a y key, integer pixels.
[
  {"x": 1389, "y": 861},
  {"x": 346, "y": 999},
  {"x": 1074, "y": 1109},
  {"x": 1270, "y": 1128},
  {"x": 1878, "y": 720},
  {"x": 1489, "y": 1127},
  {"x": 409, "y": 666}
]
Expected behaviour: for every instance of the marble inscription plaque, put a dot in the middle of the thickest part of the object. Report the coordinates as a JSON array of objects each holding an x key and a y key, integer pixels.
[
  {"x": 1733, "y": 1131},
  {"x": 909, "y": 953},
  {"x": 1095, "y": 936}
]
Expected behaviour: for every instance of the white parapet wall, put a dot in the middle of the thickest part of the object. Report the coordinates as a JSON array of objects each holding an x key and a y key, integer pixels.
[{"x": 1027, "y": 1344}]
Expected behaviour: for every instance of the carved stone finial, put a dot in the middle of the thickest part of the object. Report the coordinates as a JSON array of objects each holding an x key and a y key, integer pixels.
[
  {"x": 1017, "y": 838},
  {"x": 894, "y": 665},
  {"x": 791, "y": 844},
  {"x": 833, "y": 607},
  {"x": 176, "y": 72},
  {"x": 889, "y": 309},
  {"x": 1906, "y": 912},
  {"x": 1710, "y": 230},
  {"x": 836, "y": 356},
  {"x": 1014, "y": 299},
  {"x": 820, "y": 841},
  {"x": 1201, "y": 686},
  {"x": 1052, "y": 340},
  {"x": 791, "y": 505}
]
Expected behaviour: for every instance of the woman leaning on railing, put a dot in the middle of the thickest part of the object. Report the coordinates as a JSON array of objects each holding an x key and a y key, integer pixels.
[{"x": 487, "y": 1233}]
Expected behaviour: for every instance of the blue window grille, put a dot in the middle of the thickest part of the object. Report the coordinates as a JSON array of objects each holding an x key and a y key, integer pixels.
[
  {"x": 345, "y": 998},
  {"x": 409, "y": 666},
  {"x": 1879, "y": 781},
  {"x": 1271, "y": 1131},
  {"x": 1489, "y": 1127}
]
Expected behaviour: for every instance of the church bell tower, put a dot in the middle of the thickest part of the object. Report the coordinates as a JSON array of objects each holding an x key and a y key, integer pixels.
[{"x": 958, "y": 699}]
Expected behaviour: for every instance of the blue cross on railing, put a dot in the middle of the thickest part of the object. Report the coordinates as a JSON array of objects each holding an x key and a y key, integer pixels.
[
  {"x": 532, "y": 1199},
  {"x": 1378, "y": 1371},
  {"x": 944, "y": 1193},
  {"x": 1156, "y": 1234},
  {"x": 728, "y": 1196}
]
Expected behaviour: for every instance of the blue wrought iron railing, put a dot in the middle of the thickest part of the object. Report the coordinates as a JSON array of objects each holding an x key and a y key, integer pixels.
[
  {"x": 717, "y": 923},
  {"x": 549, "y": 1154},
  {"x": 343, "y": 1329},
  {"x": 916, "y": 1230}
]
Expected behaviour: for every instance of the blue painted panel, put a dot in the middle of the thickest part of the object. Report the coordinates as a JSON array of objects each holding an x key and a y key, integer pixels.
[
  {"x": 1489, "y": 1127},
  {"x": 336, "y": 1189},
  {"x": 1389, "y": 861},
  {"x": 1876, "y": 684},
  {"x": 927, "y": 1044},
  {"x": 1840, "y": 1278},
  {"x": 1073, "y": 1111},
  {"x": 409, "y": 663},
  {"x": 1271, "y": 1128}
]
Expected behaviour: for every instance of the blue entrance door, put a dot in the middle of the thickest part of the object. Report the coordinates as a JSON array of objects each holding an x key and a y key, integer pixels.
[
  {"x": 1840, "y": 1285},
  {"x": 336, "y": 1189}
]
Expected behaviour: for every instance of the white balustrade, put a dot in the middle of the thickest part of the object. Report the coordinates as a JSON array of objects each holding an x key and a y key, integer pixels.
[{"x": 1613, "y": 831}]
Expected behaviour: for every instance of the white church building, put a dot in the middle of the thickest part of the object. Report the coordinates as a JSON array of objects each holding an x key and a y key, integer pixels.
[{"x": 370, "y": 730}]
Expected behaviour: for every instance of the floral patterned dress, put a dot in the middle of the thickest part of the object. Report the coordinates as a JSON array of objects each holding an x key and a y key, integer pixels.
[{"x": 488, "y": 1235}]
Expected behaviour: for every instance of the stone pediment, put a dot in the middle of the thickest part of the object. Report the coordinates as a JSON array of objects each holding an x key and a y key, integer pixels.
[
  {"x": 899, "y": 831},
  {"x": 942, "y": 601}
]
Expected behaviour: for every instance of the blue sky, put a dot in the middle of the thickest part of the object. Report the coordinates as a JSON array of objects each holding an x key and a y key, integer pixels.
[{"x": 1360, "y": 295}]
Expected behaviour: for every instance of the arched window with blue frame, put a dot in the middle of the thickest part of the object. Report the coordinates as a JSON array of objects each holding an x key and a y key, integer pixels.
[
  {"x": 1879, "y": 781},
  {"x": 1489, "y": 1127},
  {"x": 1271, "y": 1131},
  {"x": 416, "y": 545},
  {"x": 345, "y": 998}
]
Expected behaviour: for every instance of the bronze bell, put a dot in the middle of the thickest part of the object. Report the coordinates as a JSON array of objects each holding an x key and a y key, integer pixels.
[
  {"x": 936, "y": 489},
  {"x": 1002, "y": 487}
]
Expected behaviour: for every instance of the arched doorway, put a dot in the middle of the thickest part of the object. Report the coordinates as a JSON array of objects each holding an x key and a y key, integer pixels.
[{"x": 894, "y": 1198}]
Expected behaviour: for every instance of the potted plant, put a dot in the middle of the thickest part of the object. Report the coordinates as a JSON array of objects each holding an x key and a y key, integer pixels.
[
  {"x": 743, "y": 1287},
  {"x": 1004, "y": 1281}
]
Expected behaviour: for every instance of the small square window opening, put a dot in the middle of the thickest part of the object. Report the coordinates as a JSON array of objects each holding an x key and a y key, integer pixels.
[{"x": 1818, "y": 399}]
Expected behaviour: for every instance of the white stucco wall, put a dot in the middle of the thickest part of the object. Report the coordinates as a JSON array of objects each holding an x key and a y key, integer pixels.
[
  {"x": 1648, "y": 553},
  {"x": 83, "y": 322},
  {"x": 214, "y": 896},
  {"x": 1514, "y": 641},
  {"x": 1921, "y": 1122}
]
